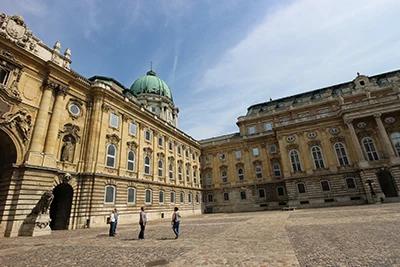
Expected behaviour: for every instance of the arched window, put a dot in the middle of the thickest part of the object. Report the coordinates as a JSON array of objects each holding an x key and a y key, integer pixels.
[
  {"x": 131, "y": 195},
  {"x": 325, "y": 185},
  {"x": 109, "y": 194},
  {"x": 395, "y": 137},
  {"x": 180, "y": 178},
  {"x": 172, "y": 196},
  {"x": 187, "y": 174},
  {"x": 261, "y": 193},
  {"x": 131, "y": 161},
  {"x": 189, "y": 197},
  {"x": 295, "y": 160},
  {"x": 259, "y": 172},
  {"x": 280, "y": 190},
  {"x": 224, "y": 176},
  {"x": 147, "y": 165},
  {"x": 277, "y": 169},
  {"x": 208, "y": 178},
  {"x": 241, "y": 174},
  {"x": 195, "y": 176},
  {"x": 350, "y": 183},
  {"x": 341, "y": 154},
  {"x": 161, "y": 197},
  {"x": 111, "y": 156},
  {"x": 317, "y": 157},
  {"x": 148, "y": 196},
  {"x": 369, "y": 148},
  {"x": 160, "y": 141},
  {"x": 182, "y": 197},
  {"x": 301, "y": 188},
  {"x": 171, "y": 171},
  {"x": 160, "y": 168},
  {"x": 225, "y": 196}
]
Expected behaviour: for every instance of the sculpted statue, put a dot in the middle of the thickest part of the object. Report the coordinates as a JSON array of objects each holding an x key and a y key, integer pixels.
[
  {"x": 22, "y": 122},
  {"x": 341, "y": 99},
  {"x": 44, "y": 203},
  {"x": 67, "y": 153}
]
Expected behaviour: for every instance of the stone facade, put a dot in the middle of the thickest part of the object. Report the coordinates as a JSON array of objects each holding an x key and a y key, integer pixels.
[
  {"x": 338, "y": 145},
  {"x": 95, "y": 147}
]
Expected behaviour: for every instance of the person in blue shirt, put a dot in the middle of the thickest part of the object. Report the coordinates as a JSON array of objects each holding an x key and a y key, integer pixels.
[{"x": 116, "y": 220}]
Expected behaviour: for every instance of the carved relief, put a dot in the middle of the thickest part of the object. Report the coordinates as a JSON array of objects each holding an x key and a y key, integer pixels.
[
  {"x": 393, "y": 129},
  {"x": 14, "y": 29},
  {"x": 21, "y": 121},
  {"x": 113, "y": 139},
  {"x": 336, "y": 139},
  {"x": 71, "y": 129},
  {"x": 257, "y": 162},
  {"x": 314, "y": 143},
  {"x": 43, "y": 206},
  {"x": 171, "y": 158},
  {"x": 161, "y": 155},
  {"x": 132, "y": 145},
  {"x": 147, "y": 151},
  {"x": 365, "y": 133},
  {"x": 292, "y": 146}
]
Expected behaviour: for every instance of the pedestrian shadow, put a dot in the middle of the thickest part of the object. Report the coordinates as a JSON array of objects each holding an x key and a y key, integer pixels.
[
  {"x": 166, "y": 238},
  {"x": 129, "y": 239},
  {"x": 102, "y": 235}
]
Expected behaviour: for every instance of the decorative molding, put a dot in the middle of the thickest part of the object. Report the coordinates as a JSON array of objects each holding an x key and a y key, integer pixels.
[
  {"x": 223, "y": 167},
  {"x": 171, "y": 158},
  {"x": 113, "y": 139},
  {"x": 161, "y": 155},
  {"x": 314, "y": 143},
  {"x": 147, "y": 151},
  {"x": 21, "y": 122},
  {"x": 292, "y": 146},
  {"x": 70, "y": 129},
  {"x": 337, "y": 139},
  {"x": 132, "y": 145},
  {"x": 257, "y": 162}
]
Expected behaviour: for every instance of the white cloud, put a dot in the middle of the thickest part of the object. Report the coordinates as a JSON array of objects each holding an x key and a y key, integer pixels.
[{"x": 300, "y": 47}]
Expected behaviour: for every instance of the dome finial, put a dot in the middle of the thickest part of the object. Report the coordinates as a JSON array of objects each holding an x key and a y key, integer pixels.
[
  {"x": 151, "y": 72},
  {"x": 151, "y": 65}
]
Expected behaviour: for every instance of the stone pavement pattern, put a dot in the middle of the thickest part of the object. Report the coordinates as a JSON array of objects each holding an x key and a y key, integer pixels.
[{"x": 342, "y": 236}]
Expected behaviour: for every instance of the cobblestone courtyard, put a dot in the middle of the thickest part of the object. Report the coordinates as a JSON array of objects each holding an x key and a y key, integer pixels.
[{"x": 341, "y": 236}]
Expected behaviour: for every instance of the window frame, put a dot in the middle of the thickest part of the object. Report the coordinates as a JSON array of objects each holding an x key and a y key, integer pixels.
[
  {"x": 261, "y": 190},
  {"x": 368, "y": 143},
  {"x": 295, "y": 160},
  {"x": 116, "y": 117},
  {"x": 160, "y": 141},
  {"x": 210, "y": 198},
  {"x": 225, "y": 198},
  {"x": 160, "y": 168},
  {"x": 171, "y": 171},
  {"x": 395, "y": 137},
  {"x": 180, "y": 174},
  {"x": 255, "y": 151},
  {"x": 224, "y": 176},
  {"x": 240, "y": 173},
  {"x": 134, "y": 195},
  {"x": 318, "y": 158},
  {"x": 347, "y": 184},
  {"x": 304, "y": 187},
  {"x": 161, "y": 197},
  {"x": 131, "y": 161},
  {"x": 110, "y": 156},
  {"x": 172, "y": 197},
  {"x": 150, "y": 196},
  {"x": 147, "y": 133},
  {"x": 7, "y": 75},
  {"x": 190, "y": 198},
  {"x": 258, "y": 171},
  {"x": 114, "y": 193},
  {"x": 132, "y": 125},
  {"x": 278, "y": 191},
  {"x": 251, "y": 129},
  {"x": 243, "y": 195},
  {"x": 268, "y": 126},
  {"x": 274, "y": 170},
  {"x": 341, "y": 154},
  {"x": 148, "y": 165},
  {"x": 182, "y": 197},
  {"x": 327, "y": 183}
]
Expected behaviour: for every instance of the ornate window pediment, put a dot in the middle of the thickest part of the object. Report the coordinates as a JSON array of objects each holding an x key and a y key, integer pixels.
[
  {"x": 70, "y": 129},
  {"x": 113, "y": 139},
  {"x": 132, "y": 145},
  {"x": 148, "y": 150}
]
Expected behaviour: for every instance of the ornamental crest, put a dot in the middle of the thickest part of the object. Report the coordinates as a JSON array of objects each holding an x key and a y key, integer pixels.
[{"x": 16, "y": 27}]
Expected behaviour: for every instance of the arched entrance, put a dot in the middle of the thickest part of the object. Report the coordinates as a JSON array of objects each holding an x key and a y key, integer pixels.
[
  {"x": 387, "y": 184},
  {"x": 60, "y": 209},
  {"x": 8, "y": 156}
]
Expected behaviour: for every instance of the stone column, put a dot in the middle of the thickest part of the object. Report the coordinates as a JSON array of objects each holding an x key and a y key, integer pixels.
[
  {"x": 330, "y": 154},
  {"x": 360, "y": 155},
  {"x": 94, "y": 131},
  {"x": 382, "y": 132},
  {"x": 38, "y": 137},
  {"x": 54, "y": 127},
  {"x": 306, "y": 160}
]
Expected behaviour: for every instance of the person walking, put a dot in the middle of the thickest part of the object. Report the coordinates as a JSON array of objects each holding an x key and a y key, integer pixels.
[
  {"x": 112, "y": 223},
  {"x": 116, "y": 220},
  {"x": 142, "y": 222},
  {"x": 176, "y": 221}
]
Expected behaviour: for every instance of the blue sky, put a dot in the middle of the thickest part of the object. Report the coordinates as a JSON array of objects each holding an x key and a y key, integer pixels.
[{"x": 221, "y": 56}]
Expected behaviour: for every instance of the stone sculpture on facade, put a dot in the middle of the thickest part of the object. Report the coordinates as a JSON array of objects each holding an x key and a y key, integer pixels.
[
  {"x": 38, "y": 221},
  {"x": 22, "y": 122},
  {"x": 67, "y": 153}
]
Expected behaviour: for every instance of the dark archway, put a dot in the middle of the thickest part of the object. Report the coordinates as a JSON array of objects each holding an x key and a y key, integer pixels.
[
  {"x": 387, "y": 184},
  {"x": 8, "y": 156},
  {"x": 60, "y": 209}
]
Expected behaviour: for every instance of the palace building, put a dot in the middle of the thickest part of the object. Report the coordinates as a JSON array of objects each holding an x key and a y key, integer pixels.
[
  {"x": 74, "y": 148},
  {"x": 338, "y": 145},
  {"x": 92, "y": 143}
]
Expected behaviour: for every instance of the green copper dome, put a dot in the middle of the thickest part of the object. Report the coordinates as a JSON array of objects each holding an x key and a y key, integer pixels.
[{"x": 151, "y": 84}]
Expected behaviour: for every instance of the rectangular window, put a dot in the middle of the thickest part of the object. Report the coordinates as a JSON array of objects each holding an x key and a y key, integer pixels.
[
  {"x": 242, "y": 195},
  {"x": 255, "y": 151},
  {"x": 109, "y": 194},
  {"x": 132, "y": 128},
  {"x": 210, "y": 198},
  {"x": 160, "y": 141},
  {"x": 208, "y": 178},
  {"x": 238, "y": 154},
  {"x": 325, "y": 186},
  {"x": 268, "y": 126},
  {"x": 272, "y": 149},
  {"x": 114, "y": 120},
  {"x": 252, "y": 129},
  {"x": 170, "y": 146},
  {"x": 148, "y": 136}
]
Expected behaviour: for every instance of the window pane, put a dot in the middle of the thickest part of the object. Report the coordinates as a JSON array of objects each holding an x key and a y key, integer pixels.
[
  {"x": 148, "y": 196},
  {"x": 301, "y": 188},
  {"x": 172, "y": 197},
  {"x": 131, "y": 195},
  {"x": 351, "y": 184},
  {"x": 242, "y": 195},
  {"x": 109, "y": 194},
  {"x": 132, "y": 128},
  {"x": 255, "y": 151},
  {"x": 114, "y": 119}
]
